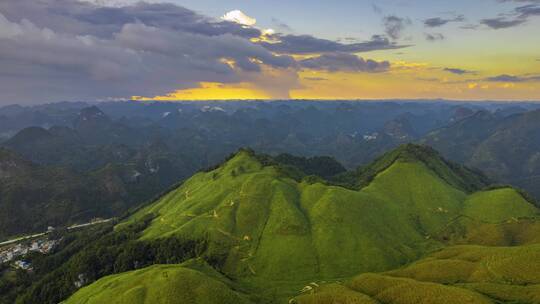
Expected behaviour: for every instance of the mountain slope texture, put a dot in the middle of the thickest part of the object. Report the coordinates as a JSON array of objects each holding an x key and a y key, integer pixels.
[
  {"x": 160, "y": 284},
  {"x": 273, "y": 230}
]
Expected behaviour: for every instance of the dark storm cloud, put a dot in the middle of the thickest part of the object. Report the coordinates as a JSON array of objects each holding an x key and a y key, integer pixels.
[
  {"x": 140, "y": 59},
  {"x": 66, "y": 49},
  {"x": 74, "y": 50},
  {"x": 306, "y": 44},
  {"x": 438, "y": 22},
  {"x": 69, "y": 16},
  {"x": 344, "y": 62},
  {"x": 394, "y": 26}
]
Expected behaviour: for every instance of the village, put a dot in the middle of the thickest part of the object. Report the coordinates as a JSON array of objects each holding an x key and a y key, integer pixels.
[
  {"x": 14, "y": 251},
  {"x": 18, "y": 251}
]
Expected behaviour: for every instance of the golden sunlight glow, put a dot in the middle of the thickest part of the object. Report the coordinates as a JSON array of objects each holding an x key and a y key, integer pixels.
[
  {"x": 212, "y": 91},
  {"x": 420, "y": 84},
  {"x": 405, "y": 80}
]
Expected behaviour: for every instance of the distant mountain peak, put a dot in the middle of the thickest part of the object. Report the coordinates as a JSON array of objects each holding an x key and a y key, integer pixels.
[
  {"x": 461, "y": 113},
  {"x": 28, "y": 135},
  {"x": 92, "y": 113},
  {"x": 399, "y": 128}
]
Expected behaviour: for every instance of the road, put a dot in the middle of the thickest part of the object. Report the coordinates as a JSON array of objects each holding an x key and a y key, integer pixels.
[
  {"x": 89, "y": 224},
  {"x": 27, "y": 237},
  {"x": 22, "y": 238}
]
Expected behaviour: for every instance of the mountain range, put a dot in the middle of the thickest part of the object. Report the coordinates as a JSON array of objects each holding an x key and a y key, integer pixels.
[
  {"x": 138, "y": 150},
  {"x": 505, "y": 148}
]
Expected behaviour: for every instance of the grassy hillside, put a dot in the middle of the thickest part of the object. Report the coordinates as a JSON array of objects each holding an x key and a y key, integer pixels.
[
  {"x": 161, "y": 284},
  {"x": 497, "y": 205},
  {"x": 266, "y": 228},
  {"x": 456, "y": 175},
  {"x": 460, "y": 274}
]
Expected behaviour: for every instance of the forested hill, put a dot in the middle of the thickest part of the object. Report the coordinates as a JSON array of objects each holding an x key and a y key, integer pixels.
[{"x": 33, "y": 197}]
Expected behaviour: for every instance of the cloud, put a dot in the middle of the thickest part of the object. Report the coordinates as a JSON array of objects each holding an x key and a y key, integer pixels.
[
  {"x": 281, "y": 25},
  {"x": 519, "y": 15},
  {"x": 437, "y": 21},
  {"x": 458, "y": 71},
  {"x": 111, "y": 3},
  {"x": 505, "y": 78},
  {"x": 501, "y": 22},
  {"x": 96, "y": 49},
  {"x": 75, "y": 50},
  {"x": 528, "y": 11},
  {"x": 268, "y": 32},
  {"x": 306, "y": 44},
  {"x": 432, "y": 37},
  {"x": 344, "y": 62},
  {"x": 237, "y": 16},
  {"x": 394, "y": 26},
  {"x": 81, "y": 18},
  {"x": 513, "y": 78}
]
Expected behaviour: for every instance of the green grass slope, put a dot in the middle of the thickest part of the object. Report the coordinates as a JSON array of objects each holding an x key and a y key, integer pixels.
[
  {"x": 499, "y": 217},
  {"x": 265, "y": 227},
  {"x": 160, "y": 284},
  {"x": 456, "y": 175},
  {"x": 497, "y": 205},
  {"x": 459, "y": 274}
]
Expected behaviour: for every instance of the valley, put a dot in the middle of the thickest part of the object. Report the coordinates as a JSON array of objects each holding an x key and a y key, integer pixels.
[{"x": 96, "y": 146}]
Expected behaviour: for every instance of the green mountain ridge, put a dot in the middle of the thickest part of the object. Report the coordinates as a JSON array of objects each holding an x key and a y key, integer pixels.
[
  {"x": 456, "y": 175},
  {"x": 271, "y": 230},
  {"x": 186, "y": 283},
  {"x": 265, "y": 226}
]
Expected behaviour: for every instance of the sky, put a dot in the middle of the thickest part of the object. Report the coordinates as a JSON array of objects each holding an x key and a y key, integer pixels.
[{"x": 95, "y": 50}]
